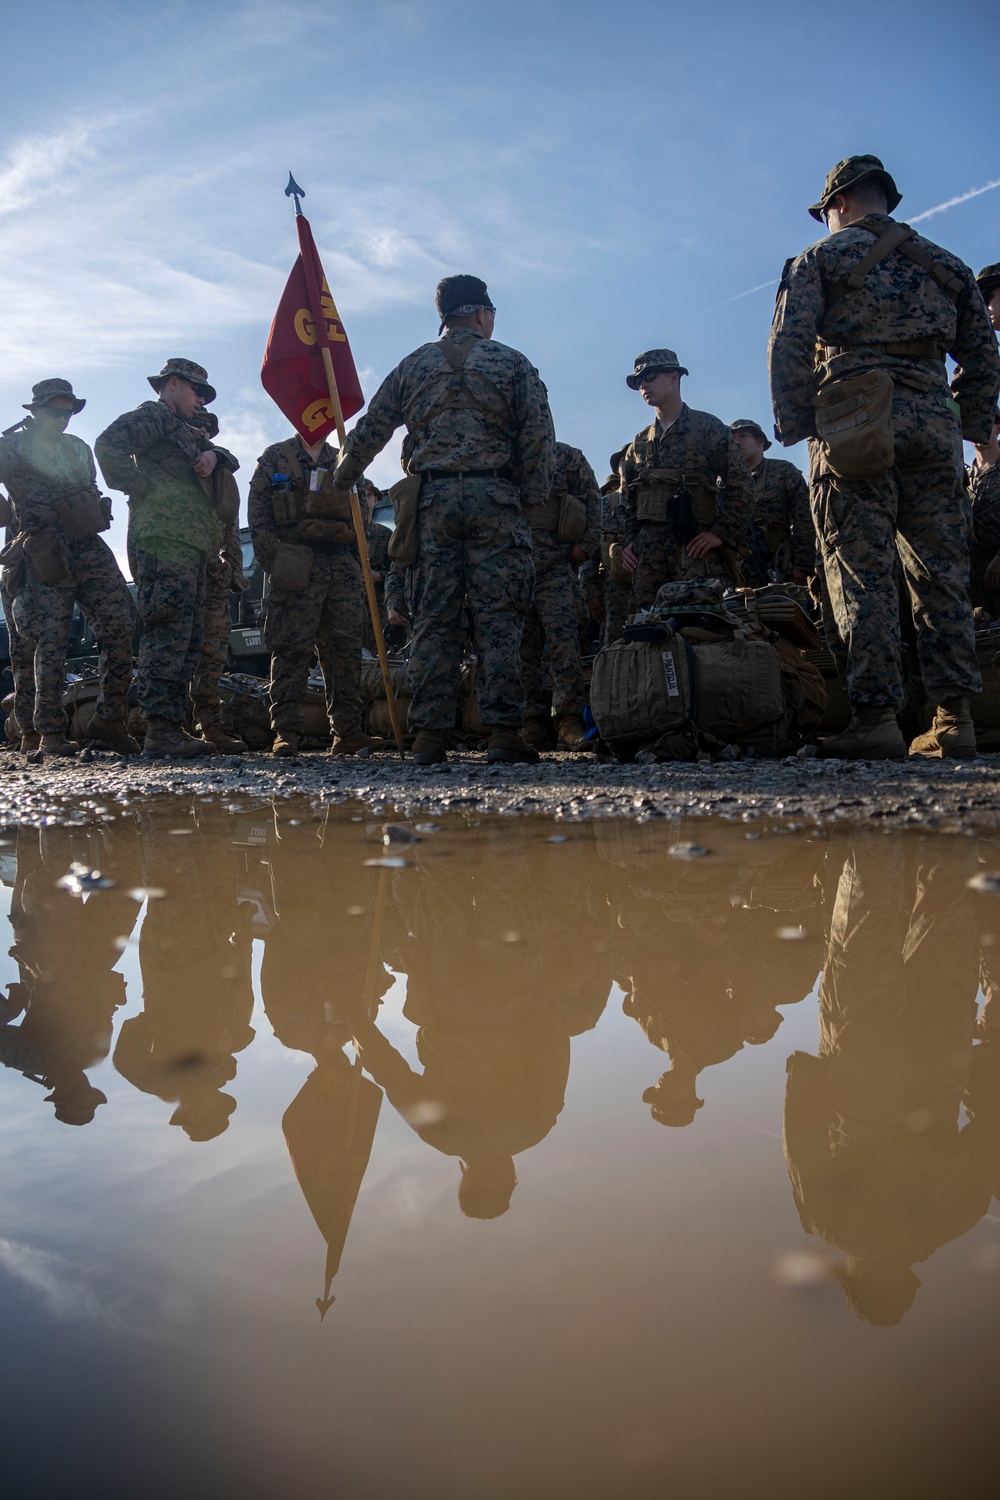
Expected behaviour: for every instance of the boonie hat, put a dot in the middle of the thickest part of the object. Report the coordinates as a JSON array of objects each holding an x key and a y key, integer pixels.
[
  {"x": 747, "y": 424},
  {"x": 207, "y": 421},
  {"x": 195, "y": 375},
  {"x": 653, "y": 359},
  {"x": 46, "y": 390},
  {"x": 989, "y": 279},
  {"x": 847, "y": 174}
]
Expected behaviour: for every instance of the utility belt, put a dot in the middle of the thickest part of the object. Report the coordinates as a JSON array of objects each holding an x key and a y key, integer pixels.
[
  {"x": 900, "y": 348},
  {"x": 430, "y": 475},
  {"x": 660, "y": 493}
]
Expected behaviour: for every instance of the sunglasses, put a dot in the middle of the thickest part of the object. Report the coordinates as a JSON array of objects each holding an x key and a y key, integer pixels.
[{"x": 650, "y": 375}]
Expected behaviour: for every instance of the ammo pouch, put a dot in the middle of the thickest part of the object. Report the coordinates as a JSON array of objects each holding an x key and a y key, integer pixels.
[
  {"x": 14, "y": 564},
  {"x": 572, "y": 519},
  {"x": 290, "y": 567},
  {"x": 79, "y": 516},
  {"x": 402, "y": 545},
  {"x": 287, "y": 507},
  {"x": 326, "y": 500},
  {"x": 658, "y": 490},
  {"x": 854, "y": 425},
  {"x": 49, "y": 558},
  {"x": 341, "y": 532}
]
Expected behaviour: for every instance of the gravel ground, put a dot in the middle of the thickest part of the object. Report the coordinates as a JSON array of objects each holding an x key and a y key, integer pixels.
[{"x": 947, "y": 795}]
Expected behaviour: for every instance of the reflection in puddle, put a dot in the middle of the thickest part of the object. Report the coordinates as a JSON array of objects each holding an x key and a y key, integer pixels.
[{"x": 398, "y": 1005}]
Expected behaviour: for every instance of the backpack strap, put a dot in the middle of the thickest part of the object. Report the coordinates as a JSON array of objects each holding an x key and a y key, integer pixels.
[
  {"x": 457, "y": 395},
  {"x": 897, "y": 238},
  {"x": 291, "y": 461}
]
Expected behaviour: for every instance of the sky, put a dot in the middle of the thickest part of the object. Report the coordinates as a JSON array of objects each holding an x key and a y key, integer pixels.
[{"x": 624, "y": 176}]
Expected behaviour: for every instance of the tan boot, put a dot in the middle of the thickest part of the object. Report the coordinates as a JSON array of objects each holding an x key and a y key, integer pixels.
[
  {"x": 111, "y": 734},
  {"x": 227, "y": 744},
  {"x": 166, "y": 740},
  {"x": 506, "y": 748},
  {"x": 286, "y": 742},
  {"x": 872, "y": 734},
  {"x": 952, "y": 735},
  {"x": 428, "y": 748},
  {"x": 537, "y": 731},
  {"x": 57, "y": 744},
  {"x": 350, "y": 744},
  {"x": 572, "y": 732},
  {"x": 30, "y": 741}
]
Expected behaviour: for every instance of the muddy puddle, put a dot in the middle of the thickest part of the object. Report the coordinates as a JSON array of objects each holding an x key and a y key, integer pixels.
[{"x": 496, "y": 1157}]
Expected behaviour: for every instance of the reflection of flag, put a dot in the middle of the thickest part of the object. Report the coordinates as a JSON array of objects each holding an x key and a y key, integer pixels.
[
  {"x": 329, "y": 1128},
  {"x": 292, "y": 372}
]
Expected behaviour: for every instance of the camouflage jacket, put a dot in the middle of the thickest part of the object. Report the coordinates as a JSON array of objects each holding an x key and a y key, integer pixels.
[
  {"x": 378, "y": 549},
  {"x": 781, "y": 509},
  {"x": 984, "y": 492},
  {"x": 38, "y": 473},
  {"x": 507, "y": 423},
  {"x": 395, "y": 590},
  {"x": 899, "y": 302},
  {"x": 150, "y": 453},
  {"x": 571, "y": 475},
  {"x": 265, "y": 533},
  {"x": 715, "y": 456}
]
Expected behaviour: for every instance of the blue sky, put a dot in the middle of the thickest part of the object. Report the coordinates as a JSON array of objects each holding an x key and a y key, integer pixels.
[{"x": 616, "y": 172}]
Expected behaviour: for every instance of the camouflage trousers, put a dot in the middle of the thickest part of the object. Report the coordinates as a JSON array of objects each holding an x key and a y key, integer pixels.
[
  {"x": 43, "y": 615},
  {"x": 474, "y": 540},
  {"x": 171, "y": 600},
  {"x": 664, "y": 560},
  {"x": 325, "y": 616},
  {"x": 917, "y": 511},
  {"x": 617, "y": 594},
  {"x": 215, "y": 649},
  {"x": 22, "y": 663},
  {"x": 552, "y": 628}
]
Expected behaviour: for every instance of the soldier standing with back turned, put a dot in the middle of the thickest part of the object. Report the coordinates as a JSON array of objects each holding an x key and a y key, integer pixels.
[
  {"x": 479, "y": 434},
  {"x": 876, "y": 299}
]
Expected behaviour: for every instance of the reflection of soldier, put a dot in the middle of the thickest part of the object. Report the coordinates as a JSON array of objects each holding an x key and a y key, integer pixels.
[
  {"x": 66, "y": 951},
  {"x": 878, "y": 1164},
  {"x": 194, "y": 953},
  {"x": 495, "y": 1012}
]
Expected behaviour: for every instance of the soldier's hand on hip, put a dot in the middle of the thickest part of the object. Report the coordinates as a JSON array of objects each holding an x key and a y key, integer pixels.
[
  {"x": 595, "y": 608},
  {"x": 702, "y": 544},
  {"x": 395, "y": 618},
  {"x": 205, "y": 463},
  {"x": 629, "y": 560},
  {"x": 577, "y": 555}
]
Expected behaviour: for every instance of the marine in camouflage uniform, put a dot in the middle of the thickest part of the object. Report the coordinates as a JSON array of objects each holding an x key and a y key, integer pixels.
[
  {"x": 380, "y": 564},
  {"x": 326, "y": 615},
  {"x": 603, "y": 577},
  {"x": 984, "y": 492},
  {"x": 900, "y": 315},
  {"x": 687, "y": 494},
  {"x": 472, "y": 408},
  {"x": 552, "y": 627},
  {"x": 20, "y": 722},
  {"x": 781, "y": 514},
  {"x": 160, "y": 462},
  {"x": 52, "y": 484}
]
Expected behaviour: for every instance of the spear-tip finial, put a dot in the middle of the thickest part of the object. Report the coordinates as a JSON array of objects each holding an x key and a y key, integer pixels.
[{"x": 294, "y": 191}]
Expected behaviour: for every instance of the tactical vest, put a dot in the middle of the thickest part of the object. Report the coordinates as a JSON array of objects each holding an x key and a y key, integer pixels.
[
  {"x": 457, "y": 396},
  {"x": 894, "y": 240},
  {"x": 655, "y": 488},
  {"x": 288, "y": 505}
]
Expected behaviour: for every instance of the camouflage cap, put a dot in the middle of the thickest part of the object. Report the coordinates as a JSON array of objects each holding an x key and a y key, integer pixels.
[
  {"x": 989, "y": 279},
  {"x": 186, "y": 369},
  {"x": 747, "y": 424},
  {"x": 653, "y": 359},
  {"x": 46, "y": 391},
  {"x": 847, "y": 174},
  {"x": 207, "y": 421}
]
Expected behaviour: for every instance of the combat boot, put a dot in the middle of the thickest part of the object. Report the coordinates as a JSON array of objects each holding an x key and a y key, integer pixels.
[
  {"x": 57, "y": 744},
  {"x": 286, "y": 742},
  {"x": 350, "y": 744},
  {"x": 572, "y": 732},
  {"x": 166, "y": 740},
  {"x": 506, "y": 748},
  {"x": 228, "y": 744},
  {"x": 30, "y": 741},
  {"x": 111, "y": 734},
  {"x": 537, "y": 731},
  {"x": 428, "y": 748},
  {"x": 872, "y": 734},
  {"x": 952, "y": 734}
]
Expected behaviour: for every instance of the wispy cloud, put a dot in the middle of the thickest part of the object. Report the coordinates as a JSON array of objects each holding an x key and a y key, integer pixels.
[
  {"x": 940, "y": 208},
  {"x": 62, "y": 1287}
]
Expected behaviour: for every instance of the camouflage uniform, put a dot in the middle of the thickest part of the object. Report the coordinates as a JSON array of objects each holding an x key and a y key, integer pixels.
[
  {"x": 474, "y": 537},
  {"x": 378, "y": 558},
  {"x": 37, "y": 475},
  {"x": 553, "y": 622},
  {"x": 22, "y": 661},
  {"x": 984, "y": 493},
  {"x": 326, "y": 616},
  {"x": 901, "y": 320},
  {"x": 150, "y": 453},
  {"x": 781, "y": 511},
  {"x": 702, "y": 448},
  {"x": 597, "y": 577},
  {"x": 223, "y": 574}
]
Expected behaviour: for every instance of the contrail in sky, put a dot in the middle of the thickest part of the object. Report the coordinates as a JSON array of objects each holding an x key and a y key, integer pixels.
[{"x": 928, "y": 213}]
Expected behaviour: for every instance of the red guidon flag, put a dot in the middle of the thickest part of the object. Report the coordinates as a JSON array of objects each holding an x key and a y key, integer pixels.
[{"x": 292, "y": 372}]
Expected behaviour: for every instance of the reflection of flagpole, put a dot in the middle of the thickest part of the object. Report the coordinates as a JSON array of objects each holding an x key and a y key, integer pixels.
[
  {"x": 373, "y": 957},
  {"x": 322, "y": 339}
]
